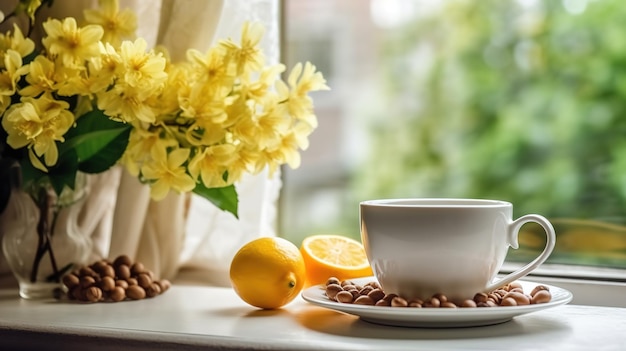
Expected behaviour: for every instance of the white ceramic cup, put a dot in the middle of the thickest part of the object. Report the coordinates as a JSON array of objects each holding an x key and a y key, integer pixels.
[{"x": 420, "y": 247}]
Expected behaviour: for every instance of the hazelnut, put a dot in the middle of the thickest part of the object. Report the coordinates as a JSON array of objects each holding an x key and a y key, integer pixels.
[
  {"x": 468, "y": 303},
  {"x": 122, "y": 271},
  {"x": 93, "y": 294},
  {"x": 519, "y": 298},
  {"x": 137, "y": 268},
  {"x": 508, "y": 301},
  {"x": 122, "y": 260},
  {"x": 344, "y": 297},
  {"x": 164, "y": 284},
  {"x": 108, "y": 271},
  {"x": 541, "y": 296},
  {"x": 364, "y": 300},
  {"x": 107, "y": 284},
  {"x": 71, "y": 280},
  {"x": 117, "y": 294},
  {"x": 376, "y": 294},
  {"x": 144, "y": 280},
  {"x": 538, "y": 288},
  {"x": 383, "y": 302},
  {"x": 153, "y": 290},
  {"x": 332, "y": 290},
  {"x": 87, "y": 281},
  {"x": 135, "y": 292},
  {"x": 398, "y": 302},
  {"x": 333, "y": 280},
  {"x": 121, "y": 283}
]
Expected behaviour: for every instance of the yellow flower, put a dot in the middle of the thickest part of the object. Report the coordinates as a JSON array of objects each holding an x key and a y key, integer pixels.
[
  {"x": 245, "y": 161},
  {"x": 12, "y": 49},
  {"x": 166, "y": 103},
  {"x": 73, "y": 81},
  {"x": 247, "y": 57},
  {"x": 300, "y": 133},
  {"x": 72, "y": 44},
  {"x": 210, "y": 165},
  {"x": 17, "y": 42},
  {"x": 9, "y": 77},
  {"x": 143, "y": 71},
  {"x": 304, "y": 80},
  {"x": 166, "y": 171},
  {"x": 204, "y": 103},
  {"x": 102, "y": 69},
  {"x": 38, "y": 124},
  {"x": 212, "y": 66},
  {"x": 117, "y": 25},
  {"x": 124, "y": 105},
  {"x": 40, "y": 77},
  {"x": 263, "y": 131},
  {"x": 270, "y": 159},
  {"x": 301, "y": 81},
  {"x": 205, "y": 133},
  {"x": 265, "y": 82},
  {"x": 287, "y": 152},
  {"x": 138, "y": 77},
  {"x": 140, "y": 144}
]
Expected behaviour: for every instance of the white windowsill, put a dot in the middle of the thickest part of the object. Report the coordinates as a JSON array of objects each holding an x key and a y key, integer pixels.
[
  {"x": 209, "y": 318},
  {"x": 594, "y": 286}
]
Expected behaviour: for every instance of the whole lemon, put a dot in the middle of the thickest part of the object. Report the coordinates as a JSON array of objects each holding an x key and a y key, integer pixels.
[{"x": 268, "y": 272}]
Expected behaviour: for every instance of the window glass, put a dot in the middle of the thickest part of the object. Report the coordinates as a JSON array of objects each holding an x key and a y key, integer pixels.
[{"x": 518, "y": 100}]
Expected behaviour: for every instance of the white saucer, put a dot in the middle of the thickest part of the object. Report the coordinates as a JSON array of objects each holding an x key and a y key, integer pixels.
[{"x": 436, "y": 317}]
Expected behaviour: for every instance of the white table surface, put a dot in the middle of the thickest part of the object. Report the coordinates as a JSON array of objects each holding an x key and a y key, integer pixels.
[{"x": 191, "y": 317}]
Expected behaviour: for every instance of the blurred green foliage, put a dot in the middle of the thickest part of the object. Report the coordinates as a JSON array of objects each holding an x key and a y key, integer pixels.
[{"x": 513, "y": 100}]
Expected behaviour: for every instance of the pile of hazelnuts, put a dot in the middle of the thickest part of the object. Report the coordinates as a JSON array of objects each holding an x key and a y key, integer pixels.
[
  {"x": 372, "y": 294},
  {"x": 114, "y": 281}
]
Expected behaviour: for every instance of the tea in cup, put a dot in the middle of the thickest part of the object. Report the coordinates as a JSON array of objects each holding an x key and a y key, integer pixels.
[{"x": 421, "y": 247}]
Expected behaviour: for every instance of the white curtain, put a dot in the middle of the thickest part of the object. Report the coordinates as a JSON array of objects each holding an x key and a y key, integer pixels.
[{"x": 182, "y": 237}]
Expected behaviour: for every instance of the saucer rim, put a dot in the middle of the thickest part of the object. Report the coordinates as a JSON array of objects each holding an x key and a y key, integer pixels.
[{"x": 436, "y": 317}]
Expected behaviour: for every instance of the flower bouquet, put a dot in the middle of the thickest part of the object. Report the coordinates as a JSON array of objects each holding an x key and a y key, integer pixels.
[{"x": 90, "y": 96}]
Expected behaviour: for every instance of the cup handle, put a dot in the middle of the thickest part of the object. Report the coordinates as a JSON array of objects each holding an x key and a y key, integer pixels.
[{"x": 512, "y": 234}]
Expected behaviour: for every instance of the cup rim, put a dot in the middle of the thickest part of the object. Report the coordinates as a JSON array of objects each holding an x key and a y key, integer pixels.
[{"x": 436, "y": 202}]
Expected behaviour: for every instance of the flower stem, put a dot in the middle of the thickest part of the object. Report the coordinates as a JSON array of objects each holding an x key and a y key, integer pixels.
[
  {"x": 49, "y": 233},
  {"x": 44, "y": 228}
]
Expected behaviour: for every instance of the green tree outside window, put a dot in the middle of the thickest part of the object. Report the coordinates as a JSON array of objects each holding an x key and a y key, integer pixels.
[{"x": 519, "y": 101}]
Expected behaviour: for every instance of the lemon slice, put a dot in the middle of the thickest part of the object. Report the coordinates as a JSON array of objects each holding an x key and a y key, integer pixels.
[{"x": 328, "y": 255}]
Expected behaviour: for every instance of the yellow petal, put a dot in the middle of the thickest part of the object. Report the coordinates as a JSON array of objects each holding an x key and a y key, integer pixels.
[
  {"x": 35, "y": 161},
  {"x": 159, "y": 190},
  {"x": 91, "y": 33},
  {"x": 177, "y": 157}
]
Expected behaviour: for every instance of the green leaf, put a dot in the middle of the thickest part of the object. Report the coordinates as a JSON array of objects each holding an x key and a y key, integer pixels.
[
  {"x": 224, "y": 198},
  {"x": 64, "y": 172},
  {"x": 99, "y": 142},
  {"x": 106, "y": 157},
  {"x": 59, "y": 176},
  {"x": 30, "y": 174}
]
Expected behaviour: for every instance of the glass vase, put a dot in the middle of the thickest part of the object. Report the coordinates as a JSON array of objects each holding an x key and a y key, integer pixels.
[{"x": 42, "y": 240}]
